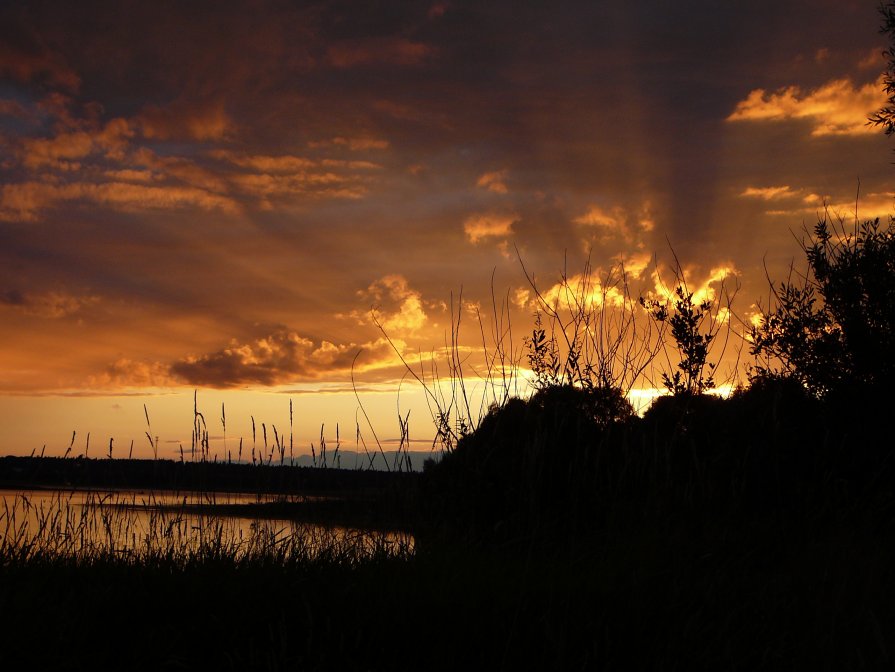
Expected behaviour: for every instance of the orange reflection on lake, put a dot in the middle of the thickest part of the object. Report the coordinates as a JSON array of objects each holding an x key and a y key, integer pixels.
[{"x": 175, "y": 525}]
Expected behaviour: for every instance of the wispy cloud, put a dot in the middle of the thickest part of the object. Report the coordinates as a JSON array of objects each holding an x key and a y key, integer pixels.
[
  {"x": 395, "y": 51},
  {"x": 873, "y": 59},
  {"x": 63, "y": 150},
  {"x": 491, "y": 225},
  {"x": 494, "y": 181},
  {"x": 12, "y": 108},
  {"x": 868, "y": 206},
  {"x": 616, "y": 222},
  {"x": 185, "y": 119},
  {"x": 129, "y": 373},
  {"x": 37, "y": 64},
  {"x": 839, "y": 107},
  {"x": 25, "y": 201},
  {"x": 705, "y": 286},
  {"x": 612, "y": 220},
  {"x": 358, "y": 144},
  {"x": 47, "y": 305},
  {"x": 771, "y": 193}
]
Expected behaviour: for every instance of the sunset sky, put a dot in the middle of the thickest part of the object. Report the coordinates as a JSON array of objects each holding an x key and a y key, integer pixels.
[{"x": 213, "y": 196}]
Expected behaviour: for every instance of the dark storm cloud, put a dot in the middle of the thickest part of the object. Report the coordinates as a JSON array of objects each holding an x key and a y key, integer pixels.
[{"x": 279, "y": 357}]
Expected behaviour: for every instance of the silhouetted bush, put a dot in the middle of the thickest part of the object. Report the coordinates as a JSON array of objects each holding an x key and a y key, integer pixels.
[
  {"x": 885, "y": 116},
  {"x": 693, "y": 330},
  {"x": 551, "y": 466},
  {"x": 833, "y": 330},
  {"x": 529, "y": 462}
]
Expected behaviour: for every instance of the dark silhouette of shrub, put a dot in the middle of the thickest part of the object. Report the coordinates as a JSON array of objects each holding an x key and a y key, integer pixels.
[
  {"x": 529, "y": 465},
  {"x": 885, "y": 117},
  {"x": 543, "y": 357},
  {"x": 757, "y": 411},
  {"x": 681, "y": 413},
  {"x": 833, "y": 330},
  {"x": 687, "y": 319},
  {"x": 767, "y": 446},
  {"x": 602, "y": 406}
]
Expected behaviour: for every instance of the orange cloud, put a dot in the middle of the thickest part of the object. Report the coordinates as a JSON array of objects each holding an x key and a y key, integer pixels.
[
  {"x": 398, "y": 308},
  {"x": 55, "y": 108},
  {"x": 521, "y": 297},
  {"x": 875, "y": 59},
  {"x": 870, "y": 206},
  {"x": 12, "y": 108},
  {"x": 839, "y": 107},
  {"x": 53, "y": 151},
  {"x": 617, "y": 222},
  {"x": 28, "y": 67},
  {"x": 634, "y": 264},
  {"x": 288, "y": 175},
  {"x": 126, "y": 372},
  {"x": 438, "y": 9},
  {"x": 137, "y": 197},
  {"x": 495, "y": 181},
  {"x": 186, "y": 120},
  {"x": 351, "y": 165},
  {"x": 771, "y": 193},
  {"x": 705, "y": 289},
  {"x": 319, "y": 185},
  {"x": 613, "y": 221},
  {"x": 59, "y": 151},
  {"x": 288, "y": 163},
  {"x": 387, "y": 51},
  {"x": 584, "y": 291},
  {"x": 24, "y": 201},
  {"x": 354, "y": 144},
  {"x": 281, "y": 357},
  {"x": 49, "y": 305},
  {"x": 180, "y": 169},
  {"x": 127, "y": 175},
  {"x": 266, "y": 164},
  {"x": 479, "y": 227}
]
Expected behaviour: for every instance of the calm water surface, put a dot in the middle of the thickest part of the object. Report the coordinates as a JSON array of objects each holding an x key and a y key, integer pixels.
[{"x": 134, "y": 521}]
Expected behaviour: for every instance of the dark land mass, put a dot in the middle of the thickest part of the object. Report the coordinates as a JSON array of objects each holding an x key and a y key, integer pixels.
[{"x": 80, "y": 472}]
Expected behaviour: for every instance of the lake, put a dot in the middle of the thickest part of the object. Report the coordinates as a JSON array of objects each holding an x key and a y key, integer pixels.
[{"x": 137, "y": 523}]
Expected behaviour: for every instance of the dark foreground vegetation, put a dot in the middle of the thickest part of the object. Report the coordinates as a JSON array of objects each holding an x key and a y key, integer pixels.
[{"x": 766, "y": 595}]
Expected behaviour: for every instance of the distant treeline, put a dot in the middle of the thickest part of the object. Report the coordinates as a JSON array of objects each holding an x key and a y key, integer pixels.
[{"x": 58, "y": 472}]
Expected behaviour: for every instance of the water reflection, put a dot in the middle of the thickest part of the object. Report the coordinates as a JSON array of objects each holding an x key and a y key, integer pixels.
[{"x": 173, "y": 525}]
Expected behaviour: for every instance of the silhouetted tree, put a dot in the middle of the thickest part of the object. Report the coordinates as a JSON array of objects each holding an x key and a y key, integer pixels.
[
  {"x": 543, "y": 357},
  {"x": 531, "y": 464},
  {"x": 692, "y": 330},
  {"x": 885, "y": 117},
  {"x": 833, "y": 329}
]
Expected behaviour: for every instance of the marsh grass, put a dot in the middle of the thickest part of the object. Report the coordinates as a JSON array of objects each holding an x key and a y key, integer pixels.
[
  {"x": 759, "y": 596},
  {"x": 145, "y": 528}
]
